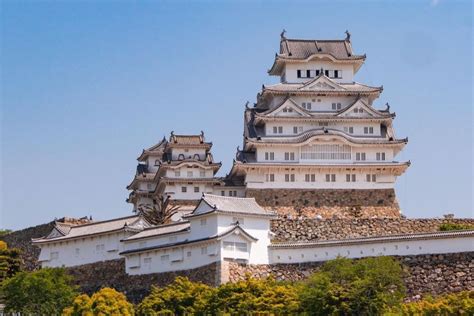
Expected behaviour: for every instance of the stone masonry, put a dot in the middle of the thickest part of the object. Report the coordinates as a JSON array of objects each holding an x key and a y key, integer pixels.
[
  {"x": 423, "y": 274},
  {"x": 329, "y": 203}
]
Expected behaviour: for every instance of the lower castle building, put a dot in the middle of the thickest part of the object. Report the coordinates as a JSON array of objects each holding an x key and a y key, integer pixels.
[{"x": 221, "y": 229}]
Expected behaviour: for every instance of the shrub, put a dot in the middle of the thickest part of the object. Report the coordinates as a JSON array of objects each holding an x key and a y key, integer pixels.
[
  {"x": 182, "y": 297},
  {"x": 107, "y": 301},
  {"x": 461, "y": 303},
  {"x": 10, "y": 261},
  {"x": 454, "y": 226},
  {"x": 43, "y": 292},
  {"x": 254, "y": 297},
  {"x": 353, "y": 287}
]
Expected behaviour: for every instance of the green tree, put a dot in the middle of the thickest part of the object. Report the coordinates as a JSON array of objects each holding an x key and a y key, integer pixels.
[
  {"x": 461, "y": 304},
  {"x": 46, "y": 292},
  {"x": 5, "y": 231},
  {"x": 182, "y": 297},
  {"x": 353, "y": 287},
  {"x": 455, "y": 226},
  {"x": 254, "y": 297},
  {"x": 10, "y": 261},
  {"x": 107, "y": 301}
]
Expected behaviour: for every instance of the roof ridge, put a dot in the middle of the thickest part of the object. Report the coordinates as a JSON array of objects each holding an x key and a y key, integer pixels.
[
  {"x": 165, "y": 225},
  {"x": 229, "y": 197},
  {"x": 106, "y": 221}
]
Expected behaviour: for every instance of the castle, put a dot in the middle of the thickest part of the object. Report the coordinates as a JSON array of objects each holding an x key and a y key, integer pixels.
[{"x": 314, "y": 146}]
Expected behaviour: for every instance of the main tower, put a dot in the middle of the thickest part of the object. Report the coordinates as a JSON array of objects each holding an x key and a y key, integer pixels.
[{"x": 314, "y": 144}]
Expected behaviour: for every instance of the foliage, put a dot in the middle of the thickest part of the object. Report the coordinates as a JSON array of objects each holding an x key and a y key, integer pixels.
[
  {"x": 182, "y": 297},
  {"x": 10, "y": 261},
  {"x": 353, "y": 287},
  {"x": 255, "y": 297},
  {"x": 454, "y": 226},
  {"x": 44, "y": 292},
  {"x": 461, "y": 303},
  {"x": 160, "y": 212},
  {"x": 5, "y": 231},
  {"x": 105, "y": 302}
]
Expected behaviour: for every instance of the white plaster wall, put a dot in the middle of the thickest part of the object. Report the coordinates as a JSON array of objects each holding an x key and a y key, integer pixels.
[
  {"x": 256, "y": 179},
  {"x": 175, "y": 191},
  {"x": 195, "y": 172},
  {"x": 188, "y": 153},
  {"x": 279, "y": 154},
  {"x": 88, "y": 252},
  {"x": 157, "y": 265},
  {"x": 290, "y": 71},
  {"x": 226, "y": 191},
  {"x": 306, "y": 125},
  {"x": 395, "y": 248},
  {"x": 257, "y": 227}
]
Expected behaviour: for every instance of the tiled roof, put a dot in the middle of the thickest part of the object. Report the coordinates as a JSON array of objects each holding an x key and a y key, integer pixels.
[
  {"x": 132, "y": 222},
  {"x": 297, "y": 87},
  {"x": 325, "y": 131},
  {"x": 234, "y": 205},
  {"x": 187, "y": 242},
  {"x": 187, "y": 139},
  {"x": 160, "y": 230},
  {"x": 368, "y": 240},
  {"x": 302, "y": 49}
]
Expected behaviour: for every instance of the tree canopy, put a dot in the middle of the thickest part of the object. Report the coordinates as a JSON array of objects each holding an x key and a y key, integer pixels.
[
  {"x": 107, "y": 301},
  {"x": 45, "y": 292}
]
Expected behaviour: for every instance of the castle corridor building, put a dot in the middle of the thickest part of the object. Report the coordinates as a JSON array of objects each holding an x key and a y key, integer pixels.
[{"x": 315, "y": 141}]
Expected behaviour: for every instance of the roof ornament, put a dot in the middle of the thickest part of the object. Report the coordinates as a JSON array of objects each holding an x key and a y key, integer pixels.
[
  {"x": 247, "y": 105},
  {"x": 202, "y": 133},
  {"x": 321, "y": 71},
  {"x": 282, "y": 35},
  {"x": 263, "y": 87},
  {"x": 388, "y": 107},
  {"x": 348, "y": 36}
]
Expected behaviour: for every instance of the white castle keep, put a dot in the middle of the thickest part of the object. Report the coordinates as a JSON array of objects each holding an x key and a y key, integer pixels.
[{"x": 314, "y": 143}]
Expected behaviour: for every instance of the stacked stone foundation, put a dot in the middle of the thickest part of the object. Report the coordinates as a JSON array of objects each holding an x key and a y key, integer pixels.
[{"x": 329, "y": 203}]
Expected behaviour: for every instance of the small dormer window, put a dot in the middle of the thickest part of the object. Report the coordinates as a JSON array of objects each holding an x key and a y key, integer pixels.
[
  {"x": 197, "y": 157},
  {"x": 298, "y": 73},
  {"x": 336, "y": 106},
  {"x": 181, "y": 157},
  {"x": 157, "y": 162}
]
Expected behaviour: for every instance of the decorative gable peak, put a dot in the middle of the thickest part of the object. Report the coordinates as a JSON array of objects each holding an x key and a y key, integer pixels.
[
  {"x": 322, "y": 83},
  {"x": 361, "y": 109},
  {"x": 287, "y": 108}
]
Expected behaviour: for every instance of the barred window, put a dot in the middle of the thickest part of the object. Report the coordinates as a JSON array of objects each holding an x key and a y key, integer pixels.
[{"x": 326, "y": 152}]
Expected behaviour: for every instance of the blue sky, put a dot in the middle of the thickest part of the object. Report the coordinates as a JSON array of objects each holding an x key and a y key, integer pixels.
[{"x": 86, "y": 85}]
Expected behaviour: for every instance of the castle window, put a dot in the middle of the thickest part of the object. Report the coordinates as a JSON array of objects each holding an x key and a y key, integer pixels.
[
  {"x": 350, "y": 178},
  {"x": 326, "y": 152},
  {"x": 165, "y": 258},
  {"x": 336, "y": 74},
  {"x": 180, "y": 157},
  {"x": 196, "y": 189},
  {"x": 177, "y": 173},
  {"x": 230, "y": 193},
  {"x": 368, "y": 130},
  {"x": 54, "y": 255},
  {"x": 197, "y": 157},
  {"x": 184, "y": 189},
  {"x": 349, "y": 129},
  {"x": 188, "y": 254},
  {"x": 202, "y": 173},
  {"x": 280, "y": 129},
  {"x": 99, "y": 248},
  {"x": 308, "y": 74},
  {"x": 270, "y": 177},
  {"x": 336, "y": 106},
  {"x": 203, "y": 250},
  {"x": 147, "y": 261},
  {"x": 371, "y": 178},
  {"x": 203, "y": 221},
  {"x": 157, "y": 162},
  {"x": 275, "y": 129},
  {"x": 269, "y": 156},
  {"x": 289, "y": 177},
  {"x": 310, "y": 177},
  {"x": 323, "y": 123},
  {"x": 326, "y": 73},
  {"x": 77, "y": 251},
  {"x": 223, "y": 193},
  {"x": 235, "y": 193},
  {"x": 289, "y": 156},
  {"x": 360, "y": 156},
  {"x": 380, "y": 156},
  {"x": 295, "y": 129},
  {"x": 330, "y": 178},
  {"x": 298, "y": 73}
]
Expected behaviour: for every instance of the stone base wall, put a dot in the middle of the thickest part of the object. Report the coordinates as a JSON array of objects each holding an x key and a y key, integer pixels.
[
  {"x": 92, "y": 277},
  {"x": 423, "y": 274},
  {"x": 329, "y": 229},
  {"x": 21, "y": 239},
  {"x": 329, "y": 203}
]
